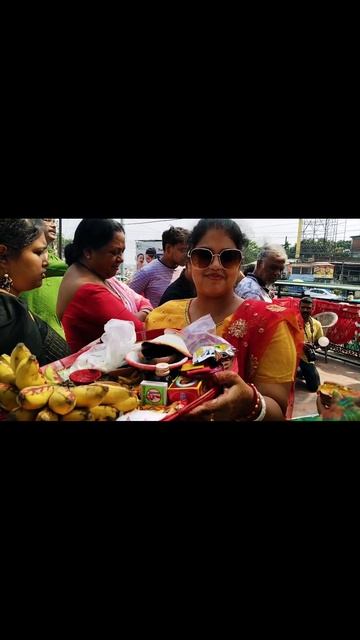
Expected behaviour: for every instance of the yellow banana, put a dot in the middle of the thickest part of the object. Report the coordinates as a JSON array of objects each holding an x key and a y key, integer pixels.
[
  {"x": 7, "y": 376},
  {"x": 28, "y": 374},
  {"x": 127, "y": 405},
  {"x": 115, "y": 393},
  {"x": 78, "y": 415},
  {"x": 35, "y": 397},
  {"x": 45, "y": 415},
  {"x": 5, "y": 358},
  {"x": 62, "y": 401},
  {"x": 23, "y": 415},
  {"x": 104, "y": 412},
  {"x": 89, "y": 395},
  {"x": 8, "y": 397},
  {"x": 19, "y": 353},
  {"x": 52, "y": 376}
]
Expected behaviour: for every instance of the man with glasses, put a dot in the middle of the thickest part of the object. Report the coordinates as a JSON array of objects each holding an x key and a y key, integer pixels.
[
  {"x": 153, "y": 279},
  {"x": 269, "y": 267}
]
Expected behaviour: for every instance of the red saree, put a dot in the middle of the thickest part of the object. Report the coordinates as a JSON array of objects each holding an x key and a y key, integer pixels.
[{"x": 250, "y": 332}]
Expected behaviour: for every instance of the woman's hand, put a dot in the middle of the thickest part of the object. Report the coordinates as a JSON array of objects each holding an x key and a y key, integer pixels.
[{"x": 235, "y": 402}]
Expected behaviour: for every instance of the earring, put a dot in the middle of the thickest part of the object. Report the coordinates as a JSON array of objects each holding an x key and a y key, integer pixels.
[{"x": 6, "y": 282}]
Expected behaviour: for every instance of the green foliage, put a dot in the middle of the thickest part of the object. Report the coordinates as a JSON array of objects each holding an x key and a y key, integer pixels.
[
  {"x": 251, "y": 252},
  {"x": 320, "y": 249},
  {"x": 286, "y": 246}
]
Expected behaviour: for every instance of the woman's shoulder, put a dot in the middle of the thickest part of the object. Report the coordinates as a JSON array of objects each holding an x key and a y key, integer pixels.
[
  {"x": 170, "y": 314},
  {"x": 10, "y": 303},
  {"x": 172, "y": 305},
  {"x": 260, "y": 306}
]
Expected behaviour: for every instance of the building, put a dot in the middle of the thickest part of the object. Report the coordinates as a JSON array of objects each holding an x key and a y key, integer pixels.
[
  {"x": 355, "y": 246},
  {"x": 313, "y": 271}
]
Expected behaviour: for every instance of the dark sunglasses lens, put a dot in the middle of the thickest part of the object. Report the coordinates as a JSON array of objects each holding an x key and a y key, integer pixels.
[
  {"x": 201, "y": 258},
  {"x": 230, "y": 258}
]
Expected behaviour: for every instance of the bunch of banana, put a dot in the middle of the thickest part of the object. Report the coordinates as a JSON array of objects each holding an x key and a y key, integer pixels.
[
  {"x": 29, "y": 395},
  {"x": 21, "y": 368}
]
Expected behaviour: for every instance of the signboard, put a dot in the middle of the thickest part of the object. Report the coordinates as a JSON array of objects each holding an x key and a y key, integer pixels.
[{"x": 324, "y": 271}]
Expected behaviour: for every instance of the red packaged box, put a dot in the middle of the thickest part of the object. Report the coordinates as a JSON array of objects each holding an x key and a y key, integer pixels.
[{"x": 186, "y": 389}]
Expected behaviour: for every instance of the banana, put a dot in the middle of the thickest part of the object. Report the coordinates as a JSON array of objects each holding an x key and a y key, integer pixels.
[
  {"x": 104, "y": 412},
  {"x": 47, "y": 416},
  {"x": 62, "y": 401},
  {"x": 19, "y": 353},
  {"x": 28, "y": 373},
  {"x": 52, "y": 376},
  {"x": 8, "y": 397},
  {"x": 127, "y": 405},
  {"x": 5, "y": 358},
  {"x": 115, "y": 393},
  {"x": 7, "y": 376},
  {"x": 89, "y": 395},
  {"x": 23, "y": 415},
  {"x": 78, "y": 415},
  {"x": 35, "y": 397}
]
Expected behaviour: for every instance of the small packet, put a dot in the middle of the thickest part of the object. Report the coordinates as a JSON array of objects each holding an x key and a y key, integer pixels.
[{"x": 213, "y": 354}]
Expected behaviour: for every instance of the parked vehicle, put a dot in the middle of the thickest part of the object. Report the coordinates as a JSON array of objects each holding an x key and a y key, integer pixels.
[{"x": 321, "y": 293}]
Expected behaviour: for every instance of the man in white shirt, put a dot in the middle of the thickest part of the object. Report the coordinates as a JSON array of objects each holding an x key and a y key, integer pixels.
[
  {"x": 153, "y": 279},
  {"x": 269, "y": 267}
]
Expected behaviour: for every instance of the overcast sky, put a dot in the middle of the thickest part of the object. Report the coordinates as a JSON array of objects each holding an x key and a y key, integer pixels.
[{"x": 261, "y": 230}]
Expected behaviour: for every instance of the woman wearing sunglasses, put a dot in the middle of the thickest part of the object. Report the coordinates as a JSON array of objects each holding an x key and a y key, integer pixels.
[{"x": 267, "y": 337}]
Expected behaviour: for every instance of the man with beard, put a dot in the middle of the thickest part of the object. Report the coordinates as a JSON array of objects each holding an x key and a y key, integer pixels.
[{"x": 313, "y": 331}]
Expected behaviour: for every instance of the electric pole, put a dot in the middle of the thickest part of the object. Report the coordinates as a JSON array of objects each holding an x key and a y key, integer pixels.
[{"x": 299, "y": 236}]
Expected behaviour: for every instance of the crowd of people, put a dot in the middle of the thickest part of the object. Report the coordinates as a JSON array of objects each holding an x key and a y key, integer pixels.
[{"x": 57, "y": 307}]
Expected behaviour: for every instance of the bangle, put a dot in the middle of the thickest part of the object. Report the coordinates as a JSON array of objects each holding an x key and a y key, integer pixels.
[
  {"x": 262, "y": 414},
  {"x": 257, "y": 401}
]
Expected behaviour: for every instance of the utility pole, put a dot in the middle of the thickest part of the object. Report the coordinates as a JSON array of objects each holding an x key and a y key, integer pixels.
[
  {"x": 342, "y": 273},
  {"x": 299, "y": 236}
]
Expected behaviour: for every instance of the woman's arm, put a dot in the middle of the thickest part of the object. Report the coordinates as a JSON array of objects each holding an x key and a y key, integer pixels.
[{"x": 237, "y": 400}]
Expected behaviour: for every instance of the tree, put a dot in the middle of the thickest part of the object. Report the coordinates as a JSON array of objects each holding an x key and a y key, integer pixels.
[
  {"x": 286, "y": 245},
  {"x": 251, "y": 252}
]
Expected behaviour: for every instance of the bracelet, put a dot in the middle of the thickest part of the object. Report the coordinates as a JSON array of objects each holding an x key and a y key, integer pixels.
[
  {"x": 257, "y": 400},
  {"x": 262, "y": 414}
]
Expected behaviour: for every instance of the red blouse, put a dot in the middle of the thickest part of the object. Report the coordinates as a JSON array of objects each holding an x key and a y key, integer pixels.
[{"x": 90, "y": 309}]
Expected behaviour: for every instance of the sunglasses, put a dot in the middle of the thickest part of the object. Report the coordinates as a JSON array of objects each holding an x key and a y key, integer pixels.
[{"x": 203, "y": 258}]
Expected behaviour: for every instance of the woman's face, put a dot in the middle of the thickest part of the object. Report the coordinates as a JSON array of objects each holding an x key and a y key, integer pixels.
[
  {"x": 29, "y": 268},
  {"x": 107, "y": 260},
  {"x": 215, "y": 281},
  {"x": 140, "y": 260}
]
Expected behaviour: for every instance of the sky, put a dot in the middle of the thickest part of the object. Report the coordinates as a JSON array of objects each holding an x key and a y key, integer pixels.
[{"x": 259, "y": 229}]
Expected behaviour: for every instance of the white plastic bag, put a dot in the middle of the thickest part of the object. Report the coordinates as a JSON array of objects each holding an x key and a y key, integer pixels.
[
  {"x": 119, "y": 338},
  {"x": 201, "y": 333}
]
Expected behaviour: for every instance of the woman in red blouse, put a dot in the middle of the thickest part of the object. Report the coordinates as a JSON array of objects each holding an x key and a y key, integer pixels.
[{"x": 86, "y": 299}]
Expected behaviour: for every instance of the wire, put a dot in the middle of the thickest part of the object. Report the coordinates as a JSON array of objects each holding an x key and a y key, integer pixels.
[{"x": 144, "y": 222}]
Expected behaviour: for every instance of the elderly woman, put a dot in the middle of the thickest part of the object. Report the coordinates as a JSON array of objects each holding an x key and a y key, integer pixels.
[
  {"x": 23, "y": 265},
  {"x": 87, "y": 300},
  {"x": 267, "y": 337},
  {"x": 43, "y": 300}
]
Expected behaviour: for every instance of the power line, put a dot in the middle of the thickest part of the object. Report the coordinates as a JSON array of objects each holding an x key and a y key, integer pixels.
[{"x": 145, "y": 222}]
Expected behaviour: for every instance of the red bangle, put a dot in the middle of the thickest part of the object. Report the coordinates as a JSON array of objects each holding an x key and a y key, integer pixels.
[{"x": 256, "y": 401}]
